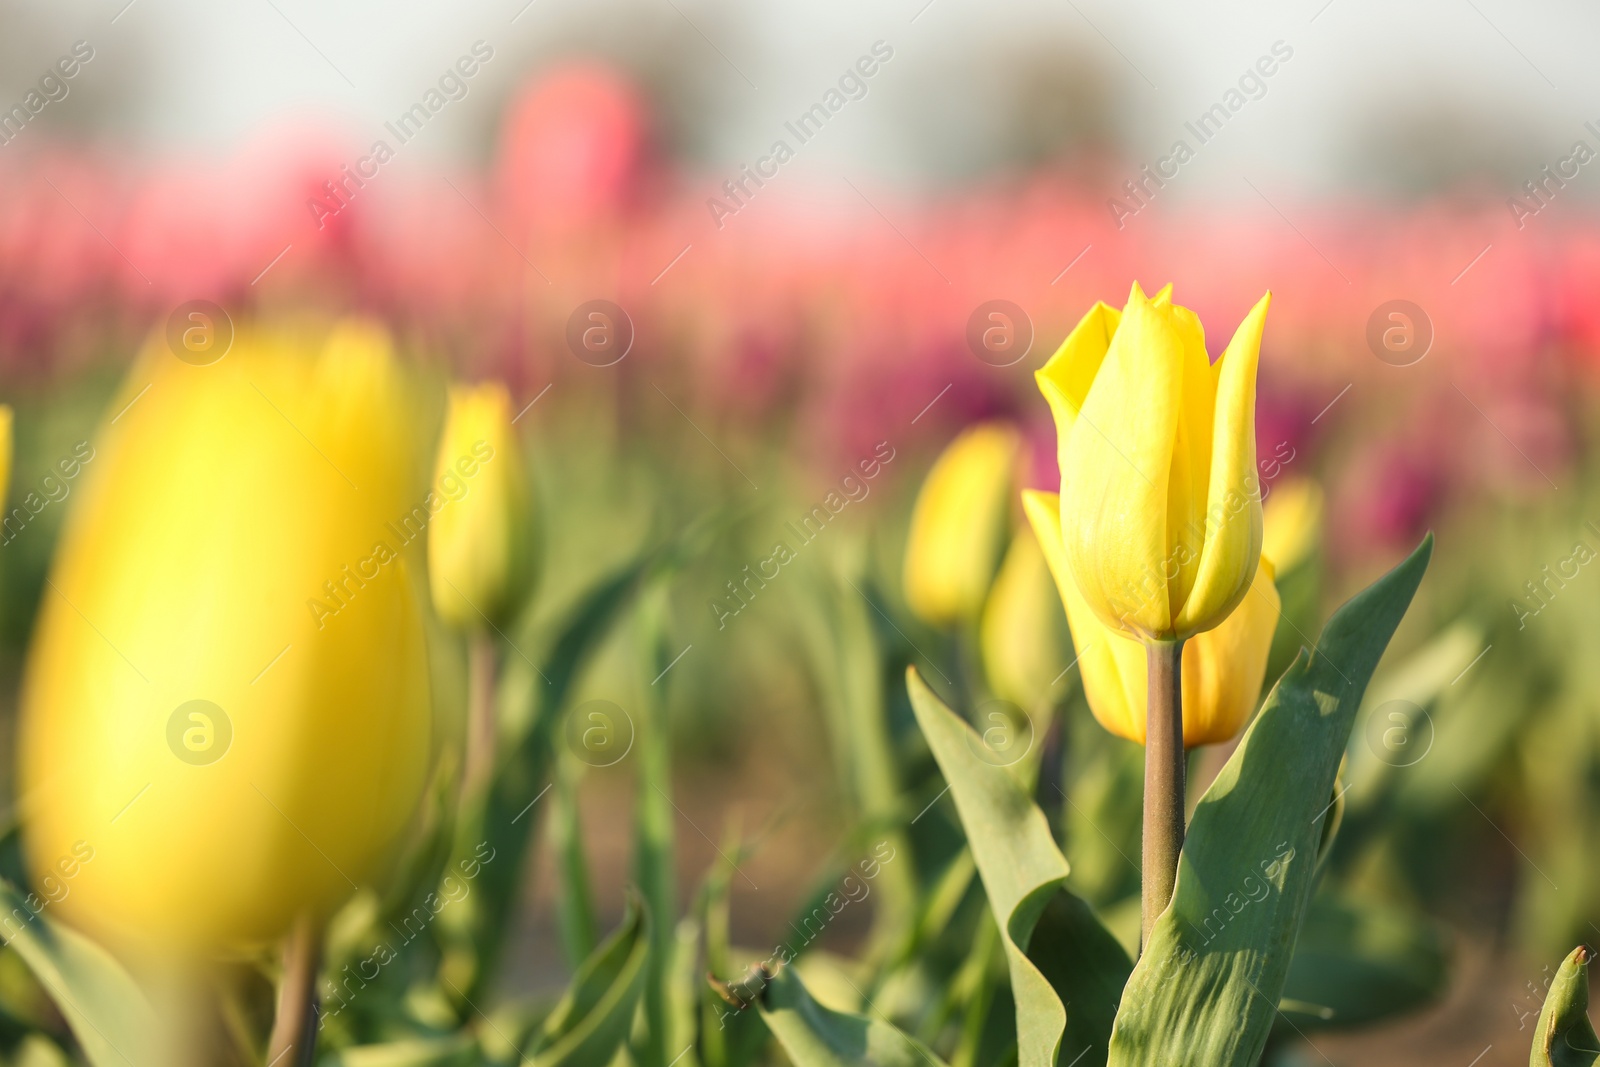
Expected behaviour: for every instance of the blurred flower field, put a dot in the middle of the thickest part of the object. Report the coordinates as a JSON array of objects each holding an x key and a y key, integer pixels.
[{"x": 633, "y": 707}]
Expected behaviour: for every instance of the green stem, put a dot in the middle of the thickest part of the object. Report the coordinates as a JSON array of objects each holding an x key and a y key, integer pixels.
[
  {"x": 1163, "y": 782},
  {"x": 294, "y": 1030},
  {"x": 480, "y": 741}
]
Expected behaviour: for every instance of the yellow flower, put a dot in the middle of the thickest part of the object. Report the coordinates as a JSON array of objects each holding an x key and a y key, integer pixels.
[
  {"x": 1292, "y": 518},
  {"x": 1160, "y": 503},
  {"x": 1223, "y": 668},
  {"x": 225, "y": 721},
  {"x": 6, "y": 451},
  {"x": 959, "y": 525},
  {"x": 1024, "y": 645},
  {"x": 480, "y": 547}
]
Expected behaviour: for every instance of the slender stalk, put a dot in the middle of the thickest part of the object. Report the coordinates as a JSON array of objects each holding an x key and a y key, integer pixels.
[
  {"x": 1163, "y": 781},
  {"x": 294, "y": 1031},
  {"x": 479, "y": 756}
]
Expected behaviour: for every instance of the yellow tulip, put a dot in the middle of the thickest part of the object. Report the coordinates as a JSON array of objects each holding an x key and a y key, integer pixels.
[
  {"x": 480, "y": 547},
  {"x": 1160, "y": 503},
  {"x": 225, "y": 722},
  {"x": 6, "y": 451},
  {"x": 1021, "y": 636},
  {"x": 1223, "y": 668},
  {"x": 1292, "y": 520},
  {"x": 959, "y": 525}
]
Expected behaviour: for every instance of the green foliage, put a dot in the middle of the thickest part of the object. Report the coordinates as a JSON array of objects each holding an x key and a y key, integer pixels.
[
  {"x": 816, "y": 1036},
  {"x": 1564, "y": 1036},
  {"x": 1057, "y": 951},
  {"x": 108, "y": 1013},
  {"x": 1206, "y": 989}
]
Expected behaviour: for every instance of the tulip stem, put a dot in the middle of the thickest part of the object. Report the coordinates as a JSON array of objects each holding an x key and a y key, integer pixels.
[
  {"x": 1163, "y": 782},
  {"x": 294, "y": 1031},
  {"x": 480, "y": 710}
]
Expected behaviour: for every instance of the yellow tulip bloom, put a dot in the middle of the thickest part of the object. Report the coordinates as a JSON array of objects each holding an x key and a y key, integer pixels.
[
  {"x": 7, "y": 448},
  {"x": 480, "y": 546},
  {"x": 225, "y": 722},
  {"x": 1160, "y": 504},
  {"x": 959, "y": 525},
  {"x": 1021, "y": 636},
  {"x": 1223, "y": 668},
  {"x": 1292, "y": 522}
]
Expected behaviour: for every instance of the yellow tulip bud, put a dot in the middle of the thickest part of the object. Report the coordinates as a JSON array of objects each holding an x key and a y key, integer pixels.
[
  {"x": 225, "y": 721},
  {"x": 1021, "y": 634},
  {"x": 1223, "y": 668},
  {"x": 1160, "y": 503},
  {"x": 6, "y": 450},
  {"x": 959, "y": 525},
  {"x": 1292, "y": 522},
  {"x": 480, "y": 547}
]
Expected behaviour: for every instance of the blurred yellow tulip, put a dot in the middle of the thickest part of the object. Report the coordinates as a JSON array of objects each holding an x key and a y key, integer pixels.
[
  {"x": 1223, "y": 668},
  {"x": 7, "y": 449},
  {"x": 1021, "y": 634},
  {"x": 480, "y": 547},
  {"x": 959, "y": 525},
  {"x": 1160, "y": 504},
  {"x": 226, "y": 721},
  {"x": 1292, "y": 521}
]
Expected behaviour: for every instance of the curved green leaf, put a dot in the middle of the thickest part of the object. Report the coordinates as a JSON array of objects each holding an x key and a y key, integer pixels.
[
  {"x": 594, "y": 1016},
  {"x": 1565, "y": 1037},
  {"x": 815, "y": 1036},
  {"x": 1066, "y": 969},
  {"x": 108, "y": 1013},
  {"x": 1206, "y": 990}
]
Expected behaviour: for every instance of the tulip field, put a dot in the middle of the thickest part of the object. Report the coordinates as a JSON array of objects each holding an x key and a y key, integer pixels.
[{"x": 575, "y": 608}]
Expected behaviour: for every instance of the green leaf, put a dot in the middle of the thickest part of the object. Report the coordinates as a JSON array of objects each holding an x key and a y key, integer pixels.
[
  {"x": 815, "y": 1036},
  {"x": 1058, "y": 953},
  {"x": 1358, "y": 961},
  {"x": 1564, "y": 1036},
  {"x": 654, "y": 837},
  {"x": 1206, "y": 990},
  {"x": 108, "y": 1013},
  {"x": 457, "y": 1050},
  {"x": 593, "y": 1018}
]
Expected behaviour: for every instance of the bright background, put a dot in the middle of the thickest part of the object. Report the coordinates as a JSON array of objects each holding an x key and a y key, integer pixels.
[{"x": 831, "y": 314}]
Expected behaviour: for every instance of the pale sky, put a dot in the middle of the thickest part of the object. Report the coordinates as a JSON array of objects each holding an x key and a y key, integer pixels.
[{"x": 1366, "y": 78}]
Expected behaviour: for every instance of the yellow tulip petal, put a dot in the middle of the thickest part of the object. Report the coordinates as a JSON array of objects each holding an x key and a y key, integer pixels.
[
  {"x": 1291, "y": 520},
  {"x": 222, "y": 549},
  {"x": 1223, "y": 668},
  {"x": 959, "y": 524},
  {"x": 1191, "y": 460},
  {"x": 1066, "y": 378},
  {"x": 1112, "y": 666},
  {"x": 480, "y": 543},
  {"x": 6, "y": 451},
  {"x": 1233, "y": 507},
  {"x": 1115, "y": 473}
]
